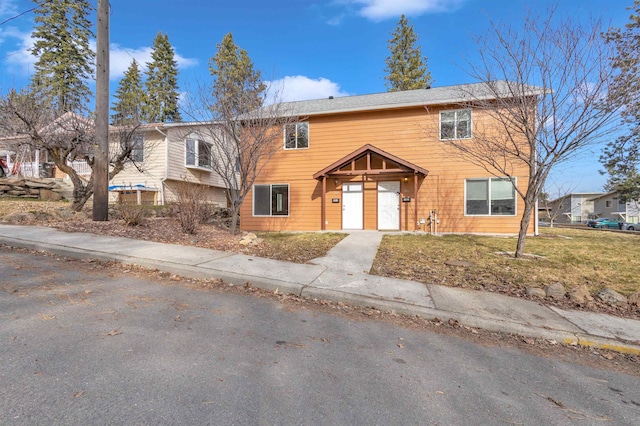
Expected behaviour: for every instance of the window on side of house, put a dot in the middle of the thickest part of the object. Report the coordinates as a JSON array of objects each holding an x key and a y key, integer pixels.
[
  {"x": 296, "y": 136},
  {"x": 198, "y": 153},
  {"x": 607, "y": 204},
  {"x": 455, "y": 124},
  {"x": 490, "y": 197},
  {"x": 271, "y": 200},
  {"x": 136, "y": 143}
]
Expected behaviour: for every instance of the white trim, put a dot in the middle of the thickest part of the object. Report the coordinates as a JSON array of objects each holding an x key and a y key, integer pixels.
[
  {"x": 284, "y": 145},
  {"x": 455, "y": 127}
]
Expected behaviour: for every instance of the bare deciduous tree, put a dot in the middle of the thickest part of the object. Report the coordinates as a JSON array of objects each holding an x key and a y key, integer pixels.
[
  {"x": 545, "y": 89},
  {"x": 243, "y": 138},
  {"x": 555, "y": 201},
  {"x": 65, "y": 137}
]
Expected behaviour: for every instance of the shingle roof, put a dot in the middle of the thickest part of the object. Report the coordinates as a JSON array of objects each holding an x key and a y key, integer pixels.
[{"x": 408, "y": 98}]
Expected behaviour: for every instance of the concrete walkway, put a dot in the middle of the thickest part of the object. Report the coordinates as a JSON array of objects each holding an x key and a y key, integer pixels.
[{"x": 342, "y": 276}]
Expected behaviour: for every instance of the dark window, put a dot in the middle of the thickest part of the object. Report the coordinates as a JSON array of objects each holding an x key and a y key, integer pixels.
[{"x": 271, "y": 200}]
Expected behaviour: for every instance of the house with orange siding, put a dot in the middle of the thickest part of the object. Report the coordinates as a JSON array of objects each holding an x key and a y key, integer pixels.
[{"x": 381, "y": 162}]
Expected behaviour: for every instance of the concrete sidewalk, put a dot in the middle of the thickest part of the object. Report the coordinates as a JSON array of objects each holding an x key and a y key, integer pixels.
[{"x": 342, "y": 276}]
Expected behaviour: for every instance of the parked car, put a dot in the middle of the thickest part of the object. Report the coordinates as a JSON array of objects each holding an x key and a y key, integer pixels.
[
  {"x": 603, "y": 222},
  {"x": 631, "y": 226}
]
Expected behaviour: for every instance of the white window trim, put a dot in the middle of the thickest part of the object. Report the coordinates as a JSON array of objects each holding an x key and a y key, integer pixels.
[
  {"x": 195, "y": 166},
  {"x": 515, "y": 209},
  {"x": 271, "y": 185},
  {"x": 284, "y": 144},
  {"x": 455, "y": 127}
]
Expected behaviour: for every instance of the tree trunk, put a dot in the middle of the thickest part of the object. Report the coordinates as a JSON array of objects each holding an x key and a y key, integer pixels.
[
  {"x": 235, "y": 207},
  {"x": 524, "y": 224}
]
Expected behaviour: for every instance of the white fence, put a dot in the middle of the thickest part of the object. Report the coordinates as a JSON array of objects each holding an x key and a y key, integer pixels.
[{"x": 33, "y": 169}]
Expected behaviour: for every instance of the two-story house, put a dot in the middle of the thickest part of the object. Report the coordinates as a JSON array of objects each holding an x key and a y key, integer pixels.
[
  {"x": 381, "y": 162},
  {"x": 575, "y": 207},
  {"x": 611, "y": 205},
  {"x": 165, "y": 155}
]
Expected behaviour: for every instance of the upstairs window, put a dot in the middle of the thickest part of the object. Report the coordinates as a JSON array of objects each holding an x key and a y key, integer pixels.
[
  {"x": 198, "y": 153},
  {"x": 296, "y": 136},
  {"x": 455, "y": 124}
]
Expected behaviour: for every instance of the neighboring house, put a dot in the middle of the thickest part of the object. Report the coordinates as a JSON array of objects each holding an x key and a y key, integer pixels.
[
  {"x": 611, "y": 205},
  {"x": 380, "y": 162},
  {"x": 165, "y": 156},
  {"x": 575, "y": 207}
]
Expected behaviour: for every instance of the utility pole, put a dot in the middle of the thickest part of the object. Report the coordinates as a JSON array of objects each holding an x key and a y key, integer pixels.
[{"x": 101, "y": 149}]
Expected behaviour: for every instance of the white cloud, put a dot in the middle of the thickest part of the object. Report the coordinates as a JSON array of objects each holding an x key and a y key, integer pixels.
[
  {"x": 300, "y": 88},
  {"x": 378, "y": 10},
  {"x": 20, "y": 60},
  {"x": 8, "y": 7},
  {"x": 121, "y": 57}
]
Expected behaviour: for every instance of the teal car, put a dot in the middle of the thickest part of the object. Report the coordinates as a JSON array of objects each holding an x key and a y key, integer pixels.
[{"x": 603, "y": 222}]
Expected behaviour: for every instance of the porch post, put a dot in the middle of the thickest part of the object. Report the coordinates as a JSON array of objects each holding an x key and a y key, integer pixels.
[
  {"x": 323, "y": 201},
  {"x": 415, "y": 200}
]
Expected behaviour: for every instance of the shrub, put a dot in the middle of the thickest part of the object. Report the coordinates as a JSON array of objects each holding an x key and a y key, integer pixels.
[
  {"x": 192, "y": 206},
  {"x": 132, "y": 214}
]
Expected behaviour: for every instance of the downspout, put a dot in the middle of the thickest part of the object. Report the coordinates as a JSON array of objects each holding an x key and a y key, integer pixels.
[{"x": 166, "y": 163}]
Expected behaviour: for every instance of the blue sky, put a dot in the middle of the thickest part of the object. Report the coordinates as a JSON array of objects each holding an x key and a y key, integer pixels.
[{"x": 312, "y": 49}]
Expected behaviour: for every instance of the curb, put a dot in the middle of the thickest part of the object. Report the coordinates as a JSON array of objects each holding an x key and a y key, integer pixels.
[{"x": 187, "y": 271}]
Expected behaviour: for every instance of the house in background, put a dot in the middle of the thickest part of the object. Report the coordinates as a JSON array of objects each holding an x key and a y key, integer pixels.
[
  {"x": 380, "y": 162},
  {"x": 611, "y": 205},
  {"x": 576, "y": 207},
  {"x": 165, "y": 156}
]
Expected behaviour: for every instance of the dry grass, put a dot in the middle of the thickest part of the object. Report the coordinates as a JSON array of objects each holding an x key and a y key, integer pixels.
[
  {"x": 298, "y": 247},
  {"x": 291, "y": 247},
  {"x": 569, "y": 256}
]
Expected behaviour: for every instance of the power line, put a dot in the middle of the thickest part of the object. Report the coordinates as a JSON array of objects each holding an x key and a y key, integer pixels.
[{"x": 25, "y": 12}]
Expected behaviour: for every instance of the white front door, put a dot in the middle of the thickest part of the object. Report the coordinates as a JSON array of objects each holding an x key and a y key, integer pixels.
[
  {"x": 351, "y": 206},
  {"x": 389, "y": 205}
]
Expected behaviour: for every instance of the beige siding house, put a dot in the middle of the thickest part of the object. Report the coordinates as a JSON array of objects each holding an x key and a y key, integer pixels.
[
  {"x": 165, "y": 156},
  {"x": 611, "y": 205}
]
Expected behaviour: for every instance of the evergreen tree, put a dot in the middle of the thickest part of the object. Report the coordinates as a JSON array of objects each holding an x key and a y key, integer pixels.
[
  {"x": 129, "y": 98},
  {"x": 406, "y": 67},
  {"x": 621, "y": 157},
  {"x": 65, "y": 61},
  {"x": 237, "y": 87},
  {"x": 162, "y": 83}
]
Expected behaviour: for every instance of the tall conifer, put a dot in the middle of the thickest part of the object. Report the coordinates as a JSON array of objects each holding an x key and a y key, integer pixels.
[
  {"x": 129, "y": 98},
  {"x": 65, "y": 61},
  {"x": 406, "y": 67},
  {"x": 237, "y": 87},
  {"x": 162, "y": 83}
]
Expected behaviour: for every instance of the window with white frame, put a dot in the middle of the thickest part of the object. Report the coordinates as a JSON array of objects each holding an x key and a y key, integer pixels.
[
  {"x": 490, "y": 197},
  {"x": 198, "y": 153},
  {"x": 607, "y": 204},
  {"x": 271, "y": 200},
  {"x": 296, "y": 136},
  {"x": 455, "y": 124}
]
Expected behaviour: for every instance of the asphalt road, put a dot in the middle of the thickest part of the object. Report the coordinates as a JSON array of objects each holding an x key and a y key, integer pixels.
[{"x": 82, "y": 345}]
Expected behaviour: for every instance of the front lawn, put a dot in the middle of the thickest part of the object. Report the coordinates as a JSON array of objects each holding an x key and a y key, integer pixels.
[{"x": 571, "y": 257}]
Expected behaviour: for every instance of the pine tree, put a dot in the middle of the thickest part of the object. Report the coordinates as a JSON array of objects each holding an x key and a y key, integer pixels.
[
  {"x": 129, "y": 98},
  {"x": 237, "y": 87},
  {"x": 621, "y": 157},
  {"x": 162, "y": 83},
  {"x": 406, "y": 67},
  {"x": 65, "y": 61}
]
